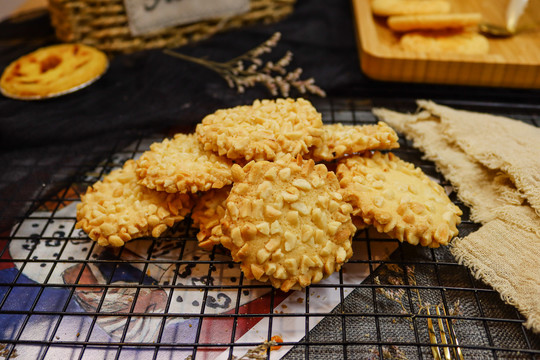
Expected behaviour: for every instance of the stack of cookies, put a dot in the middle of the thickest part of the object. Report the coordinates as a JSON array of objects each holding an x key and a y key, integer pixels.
[
  {"x": 256, "y": 180},
  {"x": 429, "y": 26}
]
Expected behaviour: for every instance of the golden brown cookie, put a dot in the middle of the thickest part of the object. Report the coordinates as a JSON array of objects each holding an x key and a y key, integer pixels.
[
  {"x": 339, "y": 140},
  {"x": 207, "y": 215},
  {"x": 409, "y": 7},
  {"x": 286, "y": 222},
  {"x": 263, "y": 131},
  {"x": 445, "y": 41},
  {"x": 181, "y": 165},
  {"x": 117, "y": 209},
  {"x": 398, "y": 199},
  {"x": 433, "y": 21},
  {"x": 53, "y": 71}
]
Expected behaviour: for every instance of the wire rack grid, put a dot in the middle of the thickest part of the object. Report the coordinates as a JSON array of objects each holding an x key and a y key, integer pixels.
[{"x": 62, "y": 295}]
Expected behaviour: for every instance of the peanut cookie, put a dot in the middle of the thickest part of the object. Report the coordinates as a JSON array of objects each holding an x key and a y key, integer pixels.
[
  {"x": 433, "y": 21},
  {"x": 409, "y": 7},
  {"x": 339, "y": 140},
  {"x": 398, "y": 199},
  {"x": 52, "y": 71},
  {"x": 263, "y": 131},
  {"x": 287, "y": 222},
  {"x": 207, "y": 215},
  {"x": 117, "y": 209},
  {"x": 181, "y": 165},
  {"x": 446, "y": 41}
]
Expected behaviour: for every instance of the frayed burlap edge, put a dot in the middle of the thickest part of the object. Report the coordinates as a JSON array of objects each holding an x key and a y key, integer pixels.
[
  {"x": 482, "y": 272},
  {"x": 503, "y": 191}
]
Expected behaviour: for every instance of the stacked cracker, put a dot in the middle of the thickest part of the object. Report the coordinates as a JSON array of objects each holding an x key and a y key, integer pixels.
[
  {"x": 428, "y": 26},
  {"x": 254, "y": 180}
]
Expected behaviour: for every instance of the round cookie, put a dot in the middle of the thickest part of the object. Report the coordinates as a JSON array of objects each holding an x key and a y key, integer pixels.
[
  {"x": 181, "y": 165},
  {"x": 265, "y": 130},
  {"x": 339, "y": 140},
  {"x": 207, "y": 215},
  {"x": 117, "y": 209},
  {"x": 409, "y": 7},
  {"x": 446, "y": 41},
  {"x": 433, "y": 21},
  {"x": 286, "y": 222},
  {"x": 52, "y": 71},
  {"x": 398, "y": 199}
]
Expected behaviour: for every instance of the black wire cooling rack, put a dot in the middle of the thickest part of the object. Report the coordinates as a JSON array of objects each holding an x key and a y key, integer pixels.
[{"x": 61, "y": 295}]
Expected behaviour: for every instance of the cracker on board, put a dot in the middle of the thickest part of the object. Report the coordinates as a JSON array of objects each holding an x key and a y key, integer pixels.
[
  {"x": 264, "y": 130},
  {"x": 339, "y": 140},
  {"x": 52, "y": 71},
  {"x": 207, "y": 215},
  {"x": 409, "y": 7},
  {"x": 117, "y": 209},
  {"x": 446, "y": 41},
  {"x": 402, "y": 23},
  {"x": 286, "y": 222},
  {"x": 398, "y": 199},
  {"x": 181, "y": 165}
]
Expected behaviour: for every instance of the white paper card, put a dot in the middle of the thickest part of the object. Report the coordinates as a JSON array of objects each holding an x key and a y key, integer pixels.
[{"x": 146, "y": 16}]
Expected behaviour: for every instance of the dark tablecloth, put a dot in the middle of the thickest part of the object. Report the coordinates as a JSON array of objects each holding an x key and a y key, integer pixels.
[{"x": 156, "y": 92}]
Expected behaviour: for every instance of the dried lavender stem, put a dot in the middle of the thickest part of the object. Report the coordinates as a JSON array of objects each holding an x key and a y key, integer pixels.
[
  {"x": 265, "y": 47},
  {"x": 247, "y": 70},
  {"x": 212, "y": 65}
]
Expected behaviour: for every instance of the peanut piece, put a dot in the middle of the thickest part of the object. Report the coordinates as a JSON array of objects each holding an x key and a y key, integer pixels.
[
  {"x": 302, "y": 184},
  {"x": 270, "y": 268},
  {"x": 257, "y": 271},
  {"x": 289, "y": 197},
  {"x": 341, "y": 255},
  {"x": 271, "y": 174},
  {"x": 273, "y": 244},
  {"x": 290, "y": 240},
  {"x": 272, "y": 212},
  {"x": 285, "y": 174},
  {"x": 292, "y": 217},
  {"x": 275, "y": 228},
  {"x": 262, "y": 256},
  {"x": 264, "y": 228},
  {"x": 236, "y": 236},
  {"x": 291, "y": 266},
  {"x": 280, "y": 273},
  {"x": 300, "y": 207}
]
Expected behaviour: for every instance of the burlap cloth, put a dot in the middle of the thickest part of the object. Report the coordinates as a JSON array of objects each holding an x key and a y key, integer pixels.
[{"x": 494, "y": 164}]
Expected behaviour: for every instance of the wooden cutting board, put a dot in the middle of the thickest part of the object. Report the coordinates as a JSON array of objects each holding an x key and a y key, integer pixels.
[{"x": 511, "y": 62}]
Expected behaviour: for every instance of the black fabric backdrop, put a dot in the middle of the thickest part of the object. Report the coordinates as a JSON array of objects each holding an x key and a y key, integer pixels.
[{"x": 156, "y": 92}]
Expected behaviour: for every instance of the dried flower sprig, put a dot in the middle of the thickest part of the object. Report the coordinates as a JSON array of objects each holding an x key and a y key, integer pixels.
[
  {"x": 394, "y": 295},
  {"x": 248, "y": 69}
]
